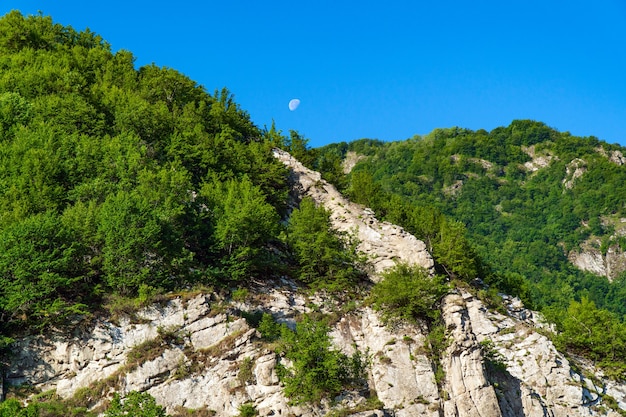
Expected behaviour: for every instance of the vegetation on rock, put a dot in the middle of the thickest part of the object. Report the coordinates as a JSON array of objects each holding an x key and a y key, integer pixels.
[
  {"x": 409, "y": 293},
  {"x": 326, "y": 259},
  {"x": 120, "y": 183},
  {"x": 115, "y": 179},
  {"x": 315, "y": 369},
  {"x": 507, "y": 207}
]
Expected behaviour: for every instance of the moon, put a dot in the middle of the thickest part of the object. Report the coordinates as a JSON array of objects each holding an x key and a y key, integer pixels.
[{"x": 293, "y": 104}]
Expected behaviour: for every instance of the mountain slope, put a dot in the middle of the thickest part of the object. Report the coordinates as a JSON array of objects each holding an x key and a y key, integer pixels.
[
  {"x": 153, "y": 240},
  {"x": 525, "y": 192},
  {"x": 115, "y": 179},
  {"x": 494, "y": 364}
]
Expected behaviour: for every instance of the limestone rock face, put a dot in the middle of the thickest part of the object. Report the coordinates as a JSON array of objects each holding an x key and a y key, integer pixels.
[
  {"x": 471, "y": 394},
  {"x": 614, "y": 156},
  {"x": 204, "y": 368},
  {"x": 400, "y": 372},
  {"x": 590, "y": 258},
  {"x": 534, "y": 380},
  {"x": 538, "y": 161},
  {"x": 574, "y": 170},
  {"x": 384, "y": 243},
  {"x": 199, "y": 352},
  {"x": 351, "y": 159}
]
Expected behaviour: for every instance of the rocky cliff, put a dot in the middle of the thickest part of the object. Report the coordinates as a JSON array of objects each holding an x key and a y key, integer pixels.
[
  {"x": 603, "y": 256},
  {"x": 199, "y": 352},
  {"x": 589, "y": 257},
  {"x": 384, "y": 244}
]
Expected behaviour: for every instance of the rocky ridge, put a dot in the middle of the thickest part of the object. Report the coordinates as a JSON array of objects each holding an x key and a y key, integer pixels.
[
  {"x": 384, "y": 243},
  {"x": 495, "y": 363}
]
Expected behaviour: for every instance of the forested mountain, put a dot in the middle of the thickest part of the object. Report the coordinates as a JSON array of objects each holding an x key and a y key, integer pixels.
[
  {"x": 526, "y": 198},
  {"x": 114, "y": 179},
  {"x": 146, "y": 221},
  {"x": 119, "y": 185}
]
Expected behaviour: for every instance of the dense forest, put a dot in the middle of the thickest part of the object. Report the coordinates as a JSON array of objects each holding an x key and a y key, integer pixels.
[
  {"x": 115, "y": 179},
  {"x": 119, "y": 184},
  {"x": 124, "y": 182}
]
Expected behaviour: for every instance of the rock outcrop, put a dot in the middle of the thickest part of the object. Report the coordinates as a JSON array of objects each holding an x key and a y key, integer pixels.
[
  {"x": 614, "y": 156},
  {"x": 384, "y": 243},
  {"x": 609, "y": 262},
  {"x": 199, "y": 352},
  {"x": 350, "y": 161},
  {"x": 527, "y": 374},
  {"x": 470, "y": 393},
  {"x": 204, "y": 368},
  {"x": 538, "y": 161},
  {"x": 574, "y": 170},
  {"x": 589, "y": 258}
]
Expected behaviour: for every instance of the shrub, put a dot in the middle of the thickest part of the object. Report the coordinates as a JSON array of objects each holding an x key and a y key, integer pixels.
[
  {"x": 240, "y": 295},
  {"x": 409, "y": 293},
  {"x": 269, "y": 329},
  {"x": 317, "y": 370},
  {"x": 493, "y": 358},
  {"x": 435, "y": 344},
  {"x": 247, "y": 410},
  {"x": 245, "y": 374},
  {"x": 135, "y": 404}
]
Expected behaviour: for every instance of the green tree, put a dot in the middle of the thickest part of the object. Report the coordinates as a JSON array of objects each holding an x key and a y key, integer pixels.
[
  {"x": 318, "y": 370},
  {"x": 298, "y": 147},
  {"x": 14, "y": 110},
  {"x": 584, "y": 329},
  {"x": 11, "y": 408},
  {"x": 41, "y": 273},
  {"x": 36, "y": 32},
  {"x": 409, "y": 293},
  {"x": 244, "y": 223},
  {"x": 135, "y": 404},
  {"x": 453, "y": 251},
  {"x": 131, "y": 242},
  {"x": 325, "y": 258},
  {"x": 274, "y": 136},
  {"x": 366, "y": 191}
]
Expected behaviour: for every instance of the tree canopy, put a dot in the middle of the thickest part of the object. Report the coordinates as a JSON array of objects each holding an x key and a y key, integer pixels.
[{"x": 113, "y": 178}]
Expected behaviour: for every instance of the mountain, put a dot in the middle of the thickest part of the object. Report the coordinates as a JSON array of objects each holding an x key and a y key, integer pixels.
[
  {"x": 203, "y": 352},
  {"x": 539, "y": 212},
  {"x": 162, "y": 255},
  {"x": 525, "y": 183}
]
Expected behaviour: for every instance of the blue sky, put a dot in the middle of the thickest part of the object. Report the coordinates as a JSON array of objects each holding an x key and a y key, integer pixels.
[{"x": 382, "y": 69}]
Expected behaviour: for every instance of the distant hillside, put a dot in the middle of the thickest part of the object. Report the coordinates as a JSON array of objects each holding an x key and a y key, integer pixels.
[
  {"x": 529, "y": 196},
  {"x": 542, "y": 212}
]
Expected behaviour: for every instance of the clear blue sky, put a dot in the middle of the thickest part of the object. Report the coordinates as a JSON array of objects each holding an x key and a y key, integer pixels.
[{"x": 382, "y": 69}]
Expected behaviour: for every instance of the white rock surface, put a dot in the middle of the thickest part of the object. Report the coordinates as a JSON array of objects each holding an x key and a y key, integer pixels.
[
  {"x": 617, "y": 157},
  {"x": 574, "y": 170},
  {"x": 589, "y": 258},
  {"x": 538, "y": 161}
]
